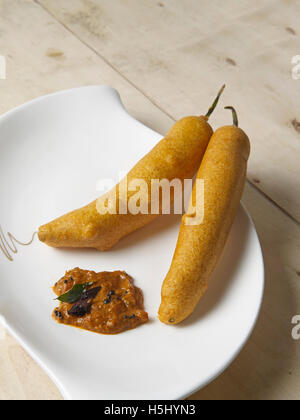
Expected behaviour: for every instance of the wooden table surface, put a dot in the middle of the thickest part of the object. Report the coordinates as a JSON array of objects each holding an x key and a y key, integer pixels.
[{"x": 167, "y": 59}]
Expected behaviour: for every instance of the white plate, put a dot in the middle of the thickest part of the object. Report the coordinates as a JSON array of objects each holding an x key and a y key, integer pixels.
[{"x": 52, "y": 153}]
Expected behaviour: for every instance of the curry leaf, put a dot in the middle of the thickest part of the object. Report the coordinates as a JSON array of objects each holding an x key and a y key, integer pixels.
[{"x": 75, "y": 293}]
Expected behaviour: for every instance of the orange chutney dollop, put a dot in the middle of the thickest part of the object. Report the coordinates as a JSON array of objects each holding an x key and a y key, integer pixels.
[{"x": 110, "y": 304}]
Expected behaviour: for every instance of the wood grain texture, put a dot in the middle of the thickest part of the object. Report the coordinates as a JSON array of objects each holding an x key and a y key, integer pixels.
[
  {"x": 20, "y": 377},
  {"x": 44, "y": 57},
  {"x": 164, "y": 50},
  {"x": 178, "y": 52}
]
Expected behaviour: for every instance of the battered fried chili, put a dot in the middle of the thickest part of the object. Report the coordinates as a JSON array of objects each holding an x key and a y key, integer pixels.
[{"x": 110, "y": 305}]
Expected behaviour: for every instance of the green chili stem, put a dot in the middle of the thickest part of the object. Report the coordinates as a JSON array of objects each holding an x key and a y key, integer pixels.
[
  {"x": 212, "y": 108},
  {"x": 234, "y": 115}
]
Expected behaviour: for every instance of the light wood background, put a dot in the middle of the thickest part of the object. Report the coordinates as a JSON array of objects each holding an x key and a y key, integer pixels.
[{"x": 167, "y": 59}]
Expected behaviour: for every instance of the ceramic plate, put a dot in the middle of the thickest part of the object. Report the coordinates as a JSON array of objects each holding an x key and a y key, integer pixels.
[{"x": 53, "y": 151}]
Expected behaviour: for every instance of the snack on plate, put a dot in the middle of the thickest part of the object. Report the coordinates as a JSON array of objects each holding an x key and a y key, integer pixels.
[
  {"x": 199, "y": 246},
  {"x": 177, "y": 156}
]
